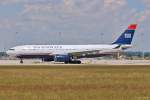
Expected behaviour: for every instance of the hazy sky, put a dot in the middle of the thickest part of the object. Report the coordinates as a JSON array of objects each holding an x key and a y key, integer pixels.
[{"x": 72, "y": 22}]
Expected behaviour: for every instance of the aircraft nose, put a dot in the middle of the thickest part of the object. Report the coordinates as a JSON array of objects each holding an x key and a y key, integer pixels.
[{"x": 8, "y": 52}]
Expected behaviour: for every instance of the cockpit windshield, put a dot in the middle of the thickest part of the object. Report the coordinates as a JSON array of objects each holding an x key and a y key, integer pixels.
[{"x": 12, "y": 49}]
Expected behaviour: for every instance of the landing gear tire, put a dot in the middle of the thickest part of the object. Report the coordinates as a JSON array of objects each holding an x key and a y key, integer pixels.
[
  {"x": 21, "y": 61},
  {"x": 76, "y": 62},
  {"x": 66, "y": 62},
  {"x": 79, "y": 62}
]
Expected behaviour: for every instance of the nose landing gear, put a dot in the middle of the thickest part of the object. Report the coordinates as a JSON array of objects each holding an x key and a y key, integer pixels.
[{"x": 21, "y": 61}]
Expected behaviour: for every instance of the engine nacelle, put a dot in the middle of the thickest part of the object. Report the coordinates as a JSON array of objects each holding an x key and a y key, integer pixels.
[
  {"x": 63, "y": 58},
  {"x": 48, "y": 59}
]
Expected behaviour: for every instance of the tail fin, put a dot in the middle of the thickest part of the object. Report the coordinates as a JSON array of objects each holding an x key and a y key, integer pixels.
[{"x": 127, "y": 36}]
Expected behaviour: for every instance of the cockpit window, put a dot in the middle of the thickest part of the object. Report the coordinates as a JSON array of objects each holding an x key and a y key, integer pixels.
[{"x": 12, "y": 49}]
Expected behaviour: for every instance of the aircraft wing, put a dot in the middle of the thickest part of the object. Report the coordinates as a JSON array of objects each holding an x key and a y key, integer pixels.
[{"x": 96, "y": 52}]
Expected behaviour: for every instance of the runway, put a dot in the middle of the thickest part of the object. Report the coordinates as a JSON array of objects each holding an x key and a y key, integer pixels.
[
  {"x": 72, "y": 66},
  {"x": 84, "y": 62}
]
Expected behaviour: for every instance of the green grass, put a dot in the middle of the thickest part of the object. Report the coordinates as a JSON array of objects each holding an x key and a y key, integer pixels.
[{"x": 74, "y": 82}]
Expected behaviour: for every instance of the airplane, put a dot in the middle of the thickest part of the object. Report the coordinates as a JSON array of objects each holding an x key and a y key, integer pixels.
[{"x": 65, "y": 53}]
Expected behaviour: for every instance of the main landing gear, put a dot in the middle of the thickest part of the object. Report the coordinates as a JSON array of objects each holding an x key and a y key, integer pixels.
[{"x": 73, "y": 62}]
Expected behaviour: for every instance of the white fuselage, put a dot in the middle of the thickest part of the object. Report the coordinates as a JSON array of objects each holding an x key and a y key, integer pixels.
[{"x": 59, "y": 49}]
